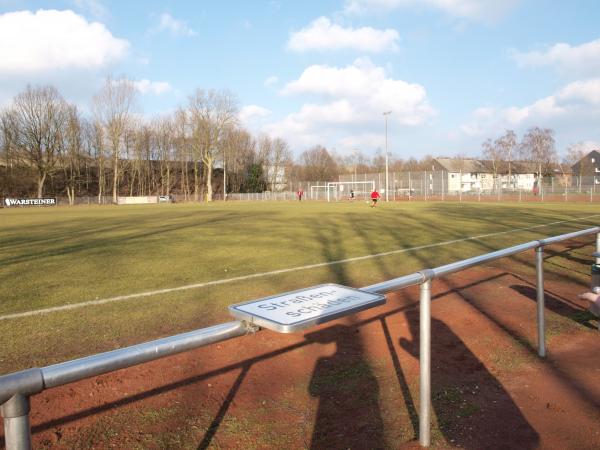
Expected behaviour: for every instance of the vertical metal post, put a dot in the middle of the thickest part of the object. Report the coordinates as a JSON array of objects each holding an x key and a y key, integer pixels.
[
  {"x": 598, "y": 247},
  {"x": 225, "y": 179},
  {"x": 425, "y": 365},
  {"x": 17, "y": 432},
  {"x": 387, "y": 185},
  {"x": 539, "y": 270},
  {"x": 443, "y": 176}
]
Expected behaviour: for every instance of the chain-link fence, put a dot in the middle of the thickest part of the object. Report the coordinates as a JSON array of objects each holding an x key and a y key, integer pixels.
[
  {"x": 442, "y": 185},
  {"x": 414, "y": 186}
]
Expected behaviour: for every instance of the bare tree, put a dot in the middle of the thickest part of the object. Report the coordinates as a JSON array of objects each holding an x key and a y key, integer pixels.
[
  {"x": 100, "y": 155},
  {"x": 39, "y": 116},
  {"x": 72, "y": 155},
  {"x": 318, "y": 165},
  {"x": 113, "y": 107},
  {"x": 538, "y": 147},
  {"x": 8, "y": 151},
  {"x": 493, "y": 153},
  {"x": 163, "y": 142},
  {"x": 507, "y": 145},
  {"x": 279, "y": 159},
  {"x": 239, "y": 153},
  {"x": 181, "y": 141},
  {"x": 212, "y": 112},
  {"x": 576, "y": 158}
]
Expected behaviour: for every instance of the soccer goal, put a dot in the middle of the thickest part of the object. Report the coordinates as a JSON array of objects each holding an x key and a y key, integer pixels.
[
  {"x": 341, "y": 190},
  {"x": 318, "y": 192}
]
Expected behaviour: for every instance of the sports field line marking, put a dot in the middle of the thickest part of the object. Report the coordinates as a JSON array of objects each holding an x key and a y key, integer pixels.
[{"x": 273, "y": 272}]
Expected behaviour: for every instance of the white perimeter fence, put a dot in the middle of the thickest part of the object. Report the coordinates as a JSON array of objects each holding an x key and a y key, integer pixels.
[
  {"x": 418, "y": 186},
  {"x": 17, "y": 388}
]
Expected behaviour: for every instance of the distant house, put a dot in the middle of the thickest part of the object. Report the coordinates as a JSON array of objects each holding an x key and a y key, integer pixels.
[
  {"x": 588, "y": 166},
  {"x": 469, "y": 174},
  {"x": 523, "y": 176},
  {"x": 276, "y": 177},
  {"x": 465, "y": 174}
]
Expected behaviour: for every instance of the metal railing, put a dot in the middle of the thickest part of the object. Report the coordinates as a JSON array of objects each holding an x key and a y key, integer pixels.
[{"x": 16, "y": 388}]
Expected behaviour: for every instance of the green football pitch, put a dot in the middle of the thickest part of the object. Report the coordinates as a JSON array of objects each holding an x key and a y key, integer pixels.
[{"x": 75, "y": 281}]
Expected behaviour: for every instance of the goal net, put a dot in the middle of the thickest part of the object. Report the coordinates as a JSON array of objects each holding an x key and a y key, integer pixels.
[{"x": 349, "y": 190}]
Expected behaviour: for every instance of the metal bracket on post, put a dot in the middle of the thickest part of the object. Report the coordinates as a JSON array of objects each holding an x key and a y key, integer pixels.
[
  {"x": 425, "y": 359},
  {"x": 17, "y": 432},
  {"x": 539, "y": 271}
]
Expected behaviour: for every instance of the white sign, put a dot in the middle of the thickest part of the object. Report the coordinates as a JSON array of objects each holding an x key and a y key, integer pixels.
[
  {"x": 297, "y": 310},
  {"x": 30, "y": 201}
]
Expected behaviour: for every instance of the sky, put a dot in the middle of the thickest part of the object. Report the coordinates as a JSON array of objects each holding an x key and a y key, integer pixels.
[{"x": 452, "y": 72}]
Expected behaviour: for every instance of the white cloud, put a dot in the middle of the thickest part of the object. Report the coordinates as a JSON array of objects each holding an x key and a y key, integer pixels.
[
  {"x": 145, "y": 86},
  {"x": 250, "y": 113},
  {"x": 323, "y": 35},
  {"x": 577, "y": 101},
  {"x": 569, "y": 60},
  {"x": 362, "y": 140},
  {"x": 174, "y": 26},
  {"x": 365, "y": 89},
  {"x": 351, "y": 98},
  {"x": 271, "y": 81},
  {"x": 95, "y": 7},
  {"x": 479, "y": 10},
  {"x": 55, "y": 40}
]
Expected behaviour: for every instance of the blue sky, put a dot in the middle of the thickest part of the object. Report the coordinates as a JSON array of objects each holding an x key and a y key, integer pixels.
[{"x": 453, "y": 72}]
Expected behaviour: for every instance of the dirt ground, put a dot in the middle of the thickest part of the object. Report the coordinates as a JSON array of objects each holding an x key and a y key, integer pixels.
[{"x": 353, "y": 383}]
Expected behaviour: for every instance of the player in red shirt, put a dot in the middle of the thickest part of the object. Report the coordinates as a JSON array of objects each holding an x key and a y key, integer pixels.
[{"x": 374, "y": 197}]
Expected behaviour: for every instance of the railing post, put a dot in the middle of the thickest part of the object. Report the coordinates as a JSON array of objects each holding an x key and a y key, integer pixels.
[
  {"x": 598, "y": 247},
  {"x": 425, "y": 365},
  {"x": 539, "y": 270},
  {"x": 17, "y": 433}
]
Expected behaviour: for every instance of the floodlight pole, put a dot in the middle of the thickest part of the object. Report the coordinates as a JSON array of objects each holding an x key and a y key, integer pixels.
[
  {"x": 386, "y": 114},
  {"x": 224, "y": 179}
]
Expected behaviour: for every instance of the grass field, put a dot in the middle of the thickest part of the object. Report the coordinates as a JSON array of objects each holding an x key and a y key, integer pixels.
[{"x": 56, "y": 256}]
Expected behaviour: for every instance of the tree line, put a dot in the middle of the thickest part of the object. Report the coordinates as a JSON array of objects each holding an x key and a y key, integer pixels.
[
  {"x": 537, "y": 147},
  {"x": 49, "y": 147}
]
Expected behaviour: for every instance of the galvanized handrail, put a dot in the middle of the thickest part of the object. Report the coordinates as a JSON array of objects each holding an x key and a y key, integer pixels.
[{"x": 17, "y": 387}]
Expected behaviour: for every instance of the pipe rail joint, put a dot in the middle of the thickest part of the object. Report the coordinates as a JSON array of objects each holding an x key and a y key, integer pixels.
[
  {"x": 23, "y": 383},
  {"x": 427, "y": 274}
]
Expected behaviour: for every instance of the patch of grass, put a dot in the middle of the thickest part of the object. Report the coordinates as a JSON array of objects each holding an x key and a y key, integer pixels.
[
  {"x": 453, "y": 403},
  {"x": 509, "y": 358},
  {"x": 152, "y": 416},
  {"x": 346, "y": 377},
  {"x": 52, "y": 257}
]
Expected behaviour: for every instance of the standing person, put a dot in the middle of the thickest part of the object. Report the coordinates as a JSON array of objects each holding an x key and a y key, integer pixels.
[
  {"x": 300, "y": 193},
  {"x": 374, "y": 197},
  {"x": 351, "y": 194}
]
